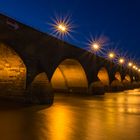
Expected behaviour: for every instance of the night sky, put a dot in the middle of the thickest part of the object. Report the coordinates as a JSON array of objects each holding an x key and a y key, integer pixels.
[{"x": 118, "y": 20}]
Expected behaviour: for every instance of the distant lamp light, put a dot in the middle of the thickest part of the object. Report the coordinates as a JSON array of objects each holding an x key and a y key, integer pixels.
[
  {"x": 111, "y": 55},
  {"x": 130, "y": 64},
  {"x": 138, "y": 70},
  {"x": 95, "y": 47},
  {"x": 62, "y": 28},
  {"x": 121, "y": 60},
  {"x": 134, "y": 67}
]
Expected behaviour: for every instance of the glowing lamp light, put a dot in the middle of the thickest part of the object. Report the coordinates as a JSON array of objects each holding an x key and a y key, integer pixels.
[
  {"x": 111, "y": 55},
  {"x": 121, "y": 60},
  {"x": 95, "y": 46},
  {"x": 130, "y": 64},
  {"x": 134, "y": 67},
  {"x": 62, "y": 28}
]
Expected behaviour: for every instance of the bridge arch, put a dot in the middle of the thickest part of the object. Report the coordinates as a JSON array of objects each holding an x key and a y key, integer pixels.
[
  {"x": 41, "y": 89},
  {"x": 12, "y": 71},
  {"x": 117, "y": 84},
  {"x": 103, "y": 76},
  {"x": 118, "y": 76},
  {"x": 127, "y": 78},
  {"x": 70, "y": 76},
  {"x": 39, "y": 83}
]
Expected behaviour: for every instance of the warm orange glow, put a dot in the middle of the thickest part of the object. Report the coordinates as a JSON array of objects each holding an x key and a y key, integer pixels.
[
  {"x": 103, "y": 76},
  {"x": 130, "y": 64},
  {"x": 40, "y": 86},
  {"x": 95, "y": 46},
  {"x": 69, "y": 75},
  {"x": 12, "y": 71},
  {"x": 60, "y": 118},
  {"x": 118, "y": 76},
  {"x": 111, "y": 55},
  {"x": 121, "y": 60},
  {"x": 127, "y": 78},
  {"x": 62, "y": 28},
  {"x": 134, "y": 67}
]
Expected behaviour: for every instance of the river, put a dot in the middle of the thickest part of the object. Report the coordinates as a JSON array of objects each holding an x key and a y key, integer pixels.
[{"x": 113, "y": 116}]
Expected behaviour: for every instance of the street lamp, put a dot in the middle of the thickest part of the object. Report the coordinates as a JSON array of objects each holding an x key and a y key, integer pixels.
[
  {"x": 111, "y": 55},
  {"x": 134, "y": 67},
  {"x": 130, "y": 64},
  {"x": 121, "y": 60},
  {"x": 95, "y": 46},
  {"x": 62, "y": 26}
]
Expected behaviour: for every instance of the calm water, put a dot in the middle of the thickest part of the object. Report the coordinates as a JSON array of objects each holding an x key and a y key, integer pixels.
[{"x": 109, "y": 117}]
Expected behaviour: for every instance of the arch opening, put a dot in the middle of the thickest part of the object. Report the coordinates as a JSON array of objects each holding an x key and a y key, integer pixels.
[
  {"x": 40, "y": 83},
  {"x": 41, "y": 90},
  {"x": 116, "y": 84},
  {"x": 127, "y": 78},
  {"x": 12, "y": 72},
  {"x": 103, "y": 76},
  {"x": 69, "y": 76},
  {"x": 118, "y": 76}
]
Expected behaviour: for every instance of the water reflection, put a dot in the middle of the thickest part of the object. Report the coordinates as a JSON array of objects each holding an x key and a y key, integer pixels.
[{"x": 109, "y": 117}]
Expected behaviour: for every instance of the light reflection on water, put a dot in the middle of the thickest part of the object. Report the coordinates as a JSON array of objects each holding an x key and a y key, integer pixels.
[{"x": 109, "y": 117}]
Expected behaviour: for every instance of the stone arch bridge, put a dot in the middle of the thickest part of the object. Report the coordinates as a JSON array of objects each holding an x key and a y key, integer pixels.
[{"x": 35, "y": 64}]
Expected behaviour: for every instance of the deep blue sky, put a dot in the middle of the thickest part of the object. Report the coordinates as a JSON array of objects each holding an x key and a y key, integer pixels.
[{"x": 117, "y": 19}]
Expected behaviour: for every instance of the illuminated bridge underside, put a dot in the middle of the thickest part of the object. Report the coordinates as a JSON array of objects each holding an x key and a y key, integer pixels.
[
  {"x": 12, "y": 71},
  {"x": 118, "y": 76},
  {"x": 69, "y": 76},
  {"x": 40, "y": 84},
  {"x": 127, "y": 79},
  {"x": 103, "y": 76},
  {"x": 117, "y": 82}
]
